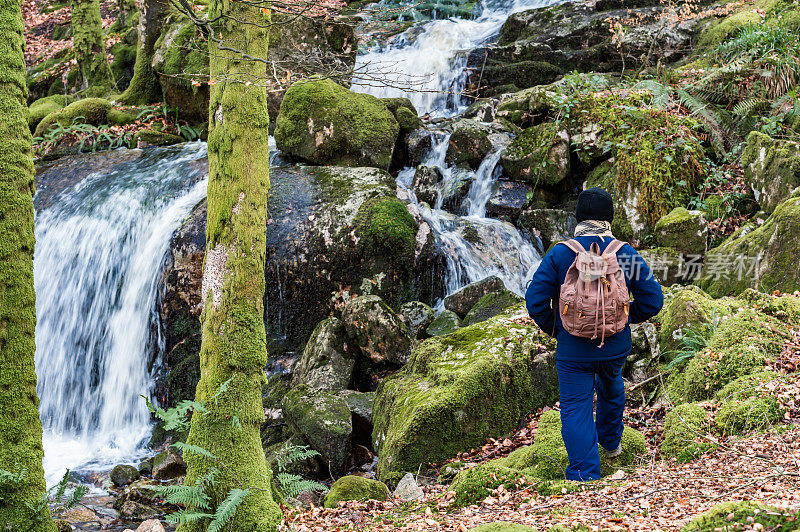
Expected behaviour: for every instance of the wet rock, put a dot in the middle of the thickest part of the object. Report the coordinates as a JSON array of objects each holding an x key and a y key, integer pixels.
[
  {"x": 539, "y": 155},
  {"x": 460, "y": 389},
  {"x": 455, "y": 189},
  {"x": 408, "y": 489},
  {"x": 446, "y": 322},
  {"x": 464, "y": 299},
  {"x": 377, "y": 331},
  {"x": 683, "y": 230},
  {"x": 123, "y": 474},
  {"x": 151, "y": 525},
  {"x": 426, "y": 183},
  {"x": 324, "y": 123},
  {"x": 327, "y": 362},
  {"x": 137, "y": 512},
  {"x": 168, "y": 465},
  {"x": 771, "y": 168},
  {"x": 550, "y": 225},
  {"x": 417, "y": 316},
  {"x": 354, "y": 488},
  {"x": 469, "y": 143},
  {"x": 490, "y": 305},
  {"x": 418, "y": 144},
  {"x": 359, "y": 403},
  {"x": 146, "y": 467},
  {"x": 323, "y": 420},
  {"x": 508, "y": 199}
]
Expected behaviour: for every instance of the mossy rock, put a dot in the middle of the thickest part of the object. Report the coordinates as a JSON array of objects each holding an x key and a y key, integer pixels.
[
  {"x": 684, "y": 425},
  {"x": 354, "y": 488},
  {"x": 686, "y": 309},
  {"x": 148, "y": 137},
  {"x": 43, "y": 107},
  {"x": 476, "y": 483},
  {"x": 92, "y": 111},
  {"x": 378, "y": 332},
  {"x": 462, "y": 300},
  {"x": 385, "y": 227},
  {"x": 459, "y": 389},
  {"x": 123, "y": 474},
  {"x": 445, "y": 323},
  {"x": 326, "y": 362},
  {"x": 742, "y": 515},
  {"x": 684, "y": 230},
  {"x": 469, "y": 143},
  {"x": 776, "y": 242},
  {"x": 417, "y": 316},
  {"x": 744, "y": 406},
  {"x": 547, "y": 457},
  {"x": 491, "y": 305},
  {"x": 539, "y": 155},
  {"x": 324, "y": 421},
  {"x": 502, "y": 526},
  {"x": 324, "y": 123},
  {"x": 771, "y": 168}
]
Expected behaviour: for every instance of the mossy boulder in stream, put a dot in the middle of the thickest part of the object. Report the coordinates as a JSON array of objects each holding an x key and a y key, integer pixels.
[
  {"x": 94, "y": 111},
  {"x": 469, "y": 143},
  {"x": 459, "y": 389},
  {"x": 324, "y": 123},
  {"x": 378, "y": 332},
  {"x": 539, "y": 155}
]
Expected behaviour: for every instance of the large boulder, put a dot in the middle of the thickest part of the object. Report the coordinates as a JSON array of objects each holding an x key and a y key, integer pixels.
[
  {"x": 168, "y": 465},
  {"x": 426, "y": 183},
  {"x": 123, "y": 474},
  {"x": 462, "y": 300},
  {"x": 323, "y": 420},
  {"x": 327, "y": 361},
  {"x": 539, "y": 155},
  {"x": 378, "y": 332},
  {"x": 771, "y": 168},
  {"x": 490, "y": 305},
  {"x": 765, "y": 257},
  {"x": 508, "y": 199},
  {"x": 324, "y": 123},
  {"x": 446, "y": 322},
  {"x": 417, "y": 316},
  {"x": 460, "y": 389},
  {"x": 469, "y": 143},
  {"x": 181, "y": 60},
  {"x": 683, "y": 230}
]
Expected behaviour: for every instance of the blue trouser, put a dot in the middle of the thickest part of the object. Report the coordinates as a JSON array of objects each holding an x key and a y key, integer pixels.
[{"x": 577, "y": 383}]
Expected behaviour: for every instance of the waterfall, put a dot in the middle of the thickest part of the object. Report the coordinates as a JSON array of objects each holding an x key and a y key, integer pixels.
[
  {"x": 428, "y": 66},
  {"x": 100, "y": 245}
]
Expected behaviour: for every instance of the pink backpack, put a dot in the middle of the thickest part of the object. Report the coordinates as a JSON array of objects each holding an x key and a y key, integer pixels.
[{"x": 594, "y": 299}]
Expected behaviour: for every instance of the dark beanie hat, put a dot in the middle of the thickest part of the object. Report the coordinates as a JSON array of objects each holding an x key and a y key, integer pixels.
[{"x": 594, "y": 204}]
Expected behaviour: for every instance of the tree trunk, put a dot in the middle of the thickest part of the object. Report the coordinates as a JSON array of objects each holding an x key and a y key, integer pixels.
[
  {"x": 20, "y": 427},
  {"x": 234, "y": 340},
  {"x": 90, "y": 45},
  {"x": 144, "y": 87}
]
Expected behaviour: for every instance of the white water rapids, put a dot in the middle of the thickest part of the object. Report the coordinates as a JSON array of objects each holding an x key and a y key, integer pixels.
[{"x": 99, "y": 249}]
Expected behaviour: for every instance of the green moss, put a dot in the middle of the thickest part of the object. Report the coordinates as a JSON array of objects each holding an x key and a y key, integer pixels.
[
  {"x": 385, "y": 228},
  {"x": 745, "y": 406},
  {"x": 459, "y": 389},
  {"x": 726, "y": 28},
  {"x": 776, "y": 241},
  {"x": 742, "y": 515},
  {"x": 322, "y": 122},
  {"x": 771, "y": 168},
  {"x": 685, "y": 309},
  {"x": 540, "y": 154},
  {"x": 43, "y": 107},
  {"x": 149, "y": 137},
  {"x": 89, "y": 45},
  {"x": 469, "y": 143},
  {"x": 547, "y": 457},
  {"x": 20, "y": 427},
  {"x": 490, "y": 305},
  {"x": 87, "y": 111},
  {"x": 123, "y": 64},
  {"x": 475, "y": 484},
  {"x": 684, "y": 427},
  {"x": 353, "y": 488},
  {"x": 445, "y": 323}
]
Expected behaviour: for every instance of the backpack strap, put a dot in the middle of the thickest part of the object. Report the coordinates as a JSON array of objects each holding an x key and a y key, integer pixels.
[
  {"x": 614, "y": 247},
  {"x": 574, "y": 245}
]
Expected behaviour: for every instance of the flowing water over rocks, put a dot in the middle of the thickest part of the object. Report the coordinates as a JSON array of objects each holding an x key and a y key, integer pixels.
[{"x": 102, "y": 230}]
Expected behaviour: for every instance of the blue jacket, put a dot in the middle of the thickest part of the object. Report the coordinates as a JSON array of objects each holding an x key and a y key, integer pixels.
[{"x": 543, "y": 292}]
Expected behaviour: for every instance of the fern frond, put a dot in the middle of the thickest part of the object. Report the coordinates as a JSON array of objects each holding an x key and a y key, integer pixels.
[
  {"x": 290, "y": 485},
  {"x": 227, "y": 509},
  {"x": 192, "y": 496},
  {"x": 292, "y": 454},
  {"x": 718, "y": 126},
  {"x": 662, "y": 94},
  {"x": 185, "y": 517},
  {"x": 193, "y": 449},
  {"x": 746, "y": 107}
]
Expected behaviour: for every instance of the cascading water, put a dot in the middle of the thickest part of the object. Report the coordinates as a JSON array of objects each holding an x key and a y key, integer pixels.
[
  {"x": 428, "y": 66},
  {"x": 100, "y": 245}
]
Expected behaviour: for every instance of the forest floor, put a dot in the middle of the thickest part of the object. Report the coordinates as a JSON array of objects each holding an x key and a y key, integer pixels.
[{"x": 653, "y": 494}]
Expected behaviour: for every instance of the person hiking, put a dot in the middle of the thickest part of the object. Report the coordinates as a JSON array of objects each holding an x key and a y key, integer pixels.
[{"x": 580, "y": 295}]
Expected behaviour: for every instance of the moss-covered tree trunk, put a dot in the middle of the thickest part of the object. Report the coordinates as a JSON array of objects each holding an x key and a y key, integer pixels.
[
  {"x": 144, "y": 87},
  {"x": 234, "y": 340},
  {"x": 20, "y": 427},
  {"x": 90, "y": 45}
]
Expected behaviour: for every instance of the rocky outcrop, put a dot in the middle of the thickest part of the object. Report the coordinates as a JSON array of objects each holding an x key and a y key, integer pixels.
[
  {"x": 540, "y": 155},
  {"x": 417, "y": 316},
  {"x": 324, "y": 123},
  {"x": 459, "y": 389},
  {"x": 378, "y": 332},
  {"x": 328, "y": 359},
  {"x": 683, "y": 230},
  {"x": 462, "y": 300},
  {"x": 771, "y": 168}
]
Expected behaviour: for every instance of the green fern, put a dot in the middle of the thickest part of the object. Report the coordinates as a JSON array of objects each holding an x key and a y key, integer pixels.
[
  {"x": 227, "y": 509},
  {"x": 290, "y": 485},
  {"x": 692, "y": 342}
]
